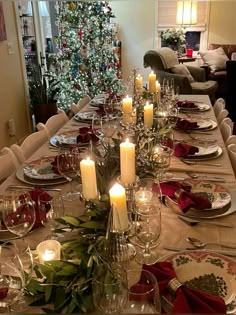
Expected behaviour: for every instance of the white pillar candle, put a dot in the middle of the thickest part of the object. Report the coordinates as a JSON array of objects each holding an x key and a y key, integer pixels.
[
  {"x": 88, "y": 178},
  {"x": 49, "y": 250},
  {"x": 139, "y": 84},
  {"x": 118, "y": 203},
  {"x": 148, "y": 115},
  {"x": 127, "y": 162},
  {"x": 152, "y": 82}
]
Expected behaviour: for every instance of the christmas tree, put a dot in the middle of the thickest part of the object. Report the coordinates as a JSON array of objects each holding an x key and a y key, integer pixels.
[{"x": 85, "y": 62}]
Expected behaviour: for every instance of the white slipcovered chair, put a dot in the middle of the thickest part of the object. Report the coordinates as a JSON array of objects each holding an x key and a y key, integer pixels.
[
  {"x": 218, "y": 106},
  {"x": 232, "y": 155},
  {"x": 8, "y": 163},
  {"x": 81, "y": 103},
  {"x": 54, "y": 123},
  {"x": 226, "y": 128},
  {"x": 31, "y": 144},
  {"x": 230, "y": 140},
  {"x": 222, "y": 115}
]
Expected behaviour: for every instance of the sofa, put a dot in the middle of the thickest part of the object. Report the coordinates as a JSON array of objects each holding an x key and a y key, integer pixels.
[
  {"x": 190, "y": 79},
  {"x": 214, "y": 63}
]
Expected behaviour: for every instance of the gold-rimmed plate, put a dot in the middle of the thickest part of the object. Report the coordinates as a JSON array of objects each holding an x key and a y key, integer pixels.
[{"x": 199, "y": 107}]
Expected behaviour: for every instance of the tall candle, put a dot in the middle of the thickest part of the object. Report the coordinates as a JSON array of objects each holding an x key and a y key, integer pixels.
[
  {"x": 127, "y": 104},
  {"x": 139, "y": 84},
  {"x": 118, "y": 202},
  {"x": 88, "y": 178},
  {"x": 148, "y": 115},
  {"x": 152, "y": 82},
  {"x": 127, "y": 162},
  {"x": 158, "y": 87}
]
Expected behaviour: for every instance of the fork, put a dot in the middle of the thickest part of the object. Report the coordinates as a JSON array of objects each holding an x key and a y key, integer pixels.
[
  {"x": 199, "y": 163},
  {"x": 193, "y": 222}
]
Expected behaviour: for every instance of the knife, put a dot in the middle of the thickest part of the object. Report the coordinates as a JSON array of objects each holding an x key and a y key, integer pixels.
[
  {"x": 22, "y": 187},
  {"x": 222, "y": 252},
  {"x": 206, "y": 178}
]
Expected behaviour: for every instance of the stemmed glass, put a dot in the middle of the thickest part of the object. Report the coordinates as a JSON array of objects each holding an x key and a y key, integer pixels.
[
  {"x": 148, "y": 229},
  {"x": 110, "y": 288},
  {"x": 51, "y": 208},
  {"x": 143, "y": 291},
  {"x": 160, "y": 158},
  {"x": 108, "y": 128},
  {"x": 68, "y": 165},
  {"x": 18, "y": 212}
]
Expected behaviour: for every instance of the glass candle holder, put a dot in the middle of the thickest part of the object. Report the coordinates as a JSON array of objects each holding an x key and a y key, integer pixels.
[{"x": 49, "y": 250}]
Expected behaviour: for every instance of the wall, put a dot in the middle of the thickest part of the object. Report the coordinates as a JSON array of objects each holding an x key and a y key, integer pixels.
[
  {"x": 12, "y": 91},
  {"x": 222, "y": 22},
  {"x": 136, "y": 19}
]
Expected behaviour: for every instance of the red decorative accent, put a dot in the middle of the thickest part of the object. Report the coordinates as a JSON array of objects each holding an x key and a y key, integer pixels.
[{"x": 189, "y": 52}]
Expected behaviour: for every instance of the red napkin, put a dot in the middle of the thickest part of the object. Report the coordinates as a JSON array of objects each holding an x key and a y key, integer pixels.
[
  {"x": 185, "y": 199},
  {"x": 186, "y": 104},
  {"x": 40, "y": 215},
  {"x": 187, "y": 301},
  {"x": 183, "y": 149},
  {"x": 185, "y": 124},
  {"x": 86, "y": 134}
]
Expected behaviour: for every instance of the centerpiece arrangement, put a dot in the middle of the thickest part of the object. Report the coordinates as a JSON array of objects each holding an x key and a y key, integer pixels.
[{"x": 173, "y": 38}]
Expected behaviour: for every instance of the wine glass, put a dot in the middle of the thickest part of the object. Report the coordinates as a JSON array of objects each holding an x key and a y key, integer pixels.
[
  {"x": 68, "y": 165},
  {"x": 20, "y": 254},
  {"x": 148, "y": 229},
  {"x": 160, "y": 158},
  {"x": 108, "y": 128},
  {"x": 12, "y": 278},
  {"x": 18, "y": 212},
  {"x": 51, "y": 207},
  {"x": 109, "y": 285},
  {"x": 143, "y": 292}
]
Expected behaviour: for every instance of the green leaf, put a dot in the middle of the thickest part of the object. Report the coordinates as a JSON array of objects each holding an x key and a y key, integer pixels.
[{"x": 93, "y": 225}]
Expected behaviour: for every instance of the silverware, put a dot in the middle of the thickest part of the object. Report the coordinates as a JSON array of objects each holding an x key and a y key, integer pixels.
[
  {"x": 179, "y": 249},
  {"x": 202, "y": 177},
  {"x": 199, "y": 244},
  {"x": 199, "y": 163},
  {"x": 193, "y": 222},
  {"x": 22, "y": 187}
]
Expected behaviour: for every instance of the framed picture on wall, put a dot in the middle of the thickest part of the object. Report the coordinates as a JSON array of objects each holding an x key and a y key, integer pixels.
[{"x": 3, "y": 34}]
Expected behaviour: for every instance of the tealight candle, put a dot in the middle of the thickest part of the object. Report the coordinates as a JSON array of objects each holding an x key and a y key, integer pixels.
[
  {"x": 88, "y": 178},
  {"x": 118, "y": 203},
  {"x": 152, "y": 82},
  {"x": 49, "y": 250},
  {"x": 143, "y": 196}
]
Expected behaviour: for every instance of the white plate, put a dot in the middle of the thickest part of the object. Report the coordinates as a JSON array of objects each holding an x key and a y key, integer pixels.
[
  {"x": 203, "y": 124},
  {"x": 41, "y": 169},
  {"x": 219, "y": 270},
  {"x": 36, "y": 182},
  {"x": 204, "y": 158},
  {"x": 85, "y": 116},
  {"x": 219, "y": 196},
  {"x": 205, "y": 152},
  {"x": 68, "y": 138},
  {"x": 202, "y": 107}
]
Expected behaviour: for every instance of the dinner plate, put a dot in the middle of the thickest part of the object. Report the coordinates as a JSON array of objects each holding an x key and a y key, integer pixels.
[
  {"x": 202, "y": 107},
  {"x": 85, "y": 116},
  {"x": 206, "y": 271},
  {"x": 203, "y": 124},
  {"x": 67, "y": 139},
  {"x": 37, "y": 182},
  {"x": 205, "y": 152},
  {"x": 219, "y": 196},
  {"x": 215, "y": 155},
  {"x": 41, "y": 169}
]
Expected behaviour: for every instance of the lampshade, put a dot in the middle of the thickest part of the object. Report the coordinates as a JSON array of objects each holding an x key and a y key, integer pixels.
[{"x": 186, "y": 12}]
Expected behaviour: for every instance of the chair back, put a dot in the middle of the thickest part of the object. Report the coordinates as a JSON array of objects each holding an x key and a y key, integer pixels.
[
  {"x": 226, "y": 129},
  {"x": 8, "y": 163},
  {"x": 31, "y": 144},
  {"x": 160, "y": 59},
  {"x": 222, "y": 115},
  {"x": 232, "y": 155},
  {"x": 230, "y": 140},
  {"x": 54, "y": 123},
  {"x": 81, "y": 103},
  {"x": 218, "y": 107}
]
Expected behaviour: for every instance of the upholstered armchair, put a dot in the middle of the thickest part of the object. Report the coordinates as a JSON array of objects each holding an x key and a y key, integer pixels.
[{"x": 190, "y": 79}]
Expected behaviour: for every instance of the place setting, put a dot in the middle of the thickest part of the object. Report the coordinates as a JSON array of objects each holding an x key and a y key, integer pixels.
[
  {"x": 201, "y": 125},
  {"x": 192, "y": 106}
]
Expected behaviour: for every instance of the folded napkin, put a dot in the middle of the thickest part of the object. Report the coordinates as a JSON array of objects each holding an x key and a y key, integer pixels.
[
  {"x": 187, "y": 301},
  {"x": 86, "y": 134},
  {"x": 186, "y": 104},
  {"x": 183, "y": 149},
  {"x": 40, "y": 214},
  {"x": 182, "y": 193},
  {"x": 185, "y": 124},
  {"x": 3, "y": 293}
]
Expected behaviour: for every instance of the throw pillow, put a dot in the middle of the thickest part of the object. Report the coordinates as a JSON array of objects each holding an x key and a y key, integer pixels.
[
  {"x": 182, "y": 70},
  {"x": 216, "y": 59}
]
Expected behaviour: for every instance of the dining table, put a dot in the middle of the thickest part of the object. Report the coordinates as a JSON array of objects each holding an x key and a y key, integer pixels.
[{"x": 174, "y": 231}]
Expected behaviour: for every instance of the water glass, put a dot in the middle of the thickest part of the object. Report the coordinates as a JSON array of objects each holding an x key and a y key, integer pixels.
[
  {"x": 143, "y": 293},
  {"x": 110, "y": 291}
]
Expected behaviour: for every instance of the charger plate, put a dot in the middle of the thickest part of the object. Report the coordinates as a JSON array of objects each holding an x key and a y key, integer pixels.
[
  {"x": 219, "y": 196},
  {"x": 203, "y": 125},
  {"x": 204, "y": 152},
  {"x": 69, "y": 138},
  {"x": 209, "y": 272},
  {"x": 201, "y": 107},
  {"x": 214, "y": 155}
]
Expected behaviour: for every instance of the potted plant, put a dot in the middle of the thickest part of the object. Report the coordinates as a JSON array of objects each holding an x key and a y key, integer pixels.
[
  {"x": 43, "y": 90},
  {"x": 173, "y": 38}
]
